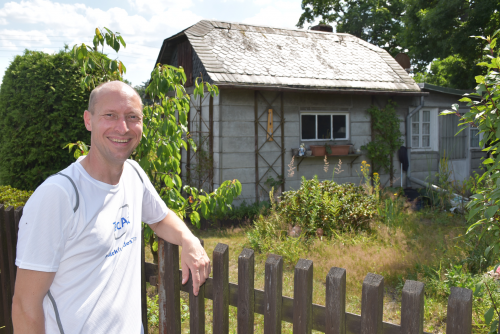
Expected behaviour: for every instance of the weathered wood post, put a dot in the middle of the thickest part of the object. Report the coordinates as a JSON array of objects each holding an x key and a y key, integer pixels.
[
  {"x": 144, "y": 304},
  {"x": 335, "y": 301},
  {"x": 273, "y": 291},
  {"x": 18, "y": 213},
  {"x": 372, "y": 304},
  {"x": 221, "y": 289},
  {"x": 5, "y": 276},
  {"x": 246, "y": 301},
  {"x": 302, "y": 297},
  {"x": 459, "y": 316},
  {"x": 169, "y": 291},
  {"x": 11, "y": 244},
  {"x": 196, "y": 307},
  {"x": 412, "y": 308}
]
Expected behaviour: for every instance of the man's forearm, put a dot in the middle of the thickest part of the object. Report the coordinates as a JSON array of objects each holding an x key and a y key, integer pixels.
[
  {"x": 27, "y": 303},
  {"x": 172, "y": 229}
]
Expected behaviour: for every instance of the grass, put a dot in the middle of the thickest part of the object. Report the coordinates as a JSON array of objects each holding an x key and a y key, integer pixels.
[{"x": 425, "y": 238}]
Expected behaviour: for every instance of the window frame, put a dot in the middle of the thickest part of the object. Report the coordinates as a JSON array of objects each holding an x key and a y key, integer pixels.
[
  {"x": 433, "y": 129},
  {"x": 479, "y": 135},
  {"x": 329, "y": 113}
]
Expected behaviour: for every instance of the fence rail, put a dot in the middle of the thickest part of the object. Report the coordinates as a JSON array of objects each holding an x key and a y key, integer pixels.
[{"x": 300, "y": 311}]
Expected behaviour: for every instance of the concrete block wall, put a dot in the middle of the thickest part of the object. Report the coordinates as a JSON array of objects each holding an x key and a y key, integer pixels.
[
  {"x": 476, "y": 160},
  {"x": 424, "y": 166},
  {"x": 234, "y": 137},
  {"x": 235, "y": 128}
]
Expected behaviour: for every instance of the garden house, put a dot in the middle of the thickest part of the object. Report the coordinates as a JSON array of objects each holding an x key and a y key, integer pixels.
[
  {"x": 434, "y": 137},
  {"x": 283, "y": 87}
]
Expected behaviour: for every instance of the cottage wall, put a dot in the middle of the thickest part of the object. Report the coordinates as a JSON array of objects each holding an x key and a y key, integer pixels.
[
  {"x": 425, "y": 164},
  {"x": 234, "y": 138}
]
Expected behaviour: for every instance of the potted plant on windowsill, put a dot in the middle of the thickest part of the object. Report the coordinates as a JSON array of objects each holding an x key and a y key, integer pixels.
[{"x": 330, "y": 149}]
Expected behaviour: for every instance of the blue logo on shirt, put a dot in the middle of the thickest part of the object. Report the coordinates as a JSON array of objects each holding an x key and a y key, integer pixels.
[{"x": 121, "y": 222}]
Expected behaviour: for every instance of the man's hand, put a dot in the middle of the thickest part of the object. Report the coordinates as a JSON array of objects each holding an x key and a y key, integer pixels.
[
  {"x": 27, "y": 303},
  {"x": 194, "y": 258}
]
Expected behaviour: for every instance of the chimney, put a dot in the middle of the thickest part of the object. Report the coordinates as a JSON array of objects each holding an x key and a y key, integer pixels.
[
  {"x": 323, "y": 27},
  {"x": 404, "y": 61}
]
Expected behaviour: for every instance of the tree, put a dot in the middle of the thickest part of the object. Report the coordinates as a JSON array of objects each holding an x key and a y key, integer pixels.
[
  {"x": 387, "y": 138},
  {"x": 41, "y": 108},
  {"x": 426, "y": 29},
  {"x": 377, "y": 22},
  {"x": 451, "y": 72},
  {"x": 165, "y": 133},
  {"x": 484, "y": 213}
]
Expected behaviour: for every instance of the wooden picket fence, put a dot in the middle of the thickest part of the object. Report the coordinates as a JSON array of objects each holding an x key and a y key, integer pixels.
[{"x": 300, "y": 311}]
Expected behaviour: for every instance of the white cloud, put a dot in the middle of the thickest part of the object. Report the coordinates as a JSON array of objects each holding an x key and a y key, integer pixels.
[
  {"x": 155, "y": 6},
  {"x": 75, "y": 23},
  {"x": 281, "y": 13}
]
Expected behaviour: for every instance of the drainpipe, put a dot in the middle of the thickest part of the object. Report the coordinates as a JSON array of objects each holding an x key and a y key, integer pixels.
[{"x": 408, "y": 139}]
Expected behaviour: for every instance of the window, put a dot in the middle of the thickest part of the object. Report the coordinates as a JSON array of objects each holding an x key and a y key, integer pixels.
[
  {"x": 474, "y": 137},
  {"x": 453, "y": 145},
  {"x": 324, "y": 126},
  {"x": 421, "y": 129}
]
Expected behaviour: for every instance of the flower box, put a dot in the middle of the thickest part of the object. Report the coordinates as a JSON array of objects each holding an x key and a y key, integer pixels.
[{"x": 320, "y": 150}]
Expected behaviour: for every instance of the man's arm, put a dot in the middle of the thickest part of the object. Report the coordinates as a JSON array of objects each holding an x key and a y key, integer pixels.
[
  {"x": 193, "y": 256},
  {"x": 27, "y": 303}
]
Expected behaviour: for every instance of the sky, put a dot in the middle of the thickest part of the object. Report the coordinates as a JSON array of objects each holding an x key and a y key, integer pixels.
[{"x": 47, "y": 26}]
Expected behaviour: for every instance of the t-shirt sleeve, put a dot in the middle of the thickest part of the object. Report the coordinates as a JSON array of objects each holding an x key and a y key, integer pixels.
[
  {"x": 44, "y": 228},
  {"x": 154, "y": 208}
]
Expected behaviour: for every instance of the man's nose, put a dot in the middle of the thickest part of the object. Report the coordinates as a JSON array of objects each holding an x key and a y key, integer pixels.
[{"x": 121, "y": 125}]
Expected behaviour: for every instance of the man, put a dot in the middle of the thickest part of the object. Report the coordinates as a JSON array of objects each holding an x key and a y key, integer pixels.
[{"x": 78, "y": 252}]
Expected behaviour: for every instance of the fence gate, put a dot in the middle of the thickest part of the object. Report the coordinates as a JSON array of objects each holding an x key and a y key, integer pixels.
[
  {"x": 200, "y": 164},
  {"x": 264, "y": 119}
]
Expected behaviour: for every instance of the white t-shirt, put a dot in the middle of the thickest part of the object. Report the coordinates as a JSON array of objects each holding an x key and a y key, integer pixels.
[{"x": 95, "y": 250}]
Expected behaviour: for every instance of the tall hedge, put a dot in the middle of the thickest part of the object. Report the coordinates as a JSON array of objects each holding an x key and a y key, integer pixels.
[{"x": 41, "y": 110}]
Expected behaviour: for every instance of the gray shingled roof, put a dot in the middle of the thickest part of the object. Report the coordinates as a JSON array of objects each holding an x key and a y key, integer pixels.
[{"x": 241, "y": 54}]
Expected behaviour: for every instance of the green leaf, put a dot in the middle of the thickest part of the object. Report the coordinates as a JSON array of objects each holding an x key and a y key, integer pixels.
[
  {"x": 488, "y": 316},
  {"x": 490, "y": 212},
  {"x": 195, "y": 218}
]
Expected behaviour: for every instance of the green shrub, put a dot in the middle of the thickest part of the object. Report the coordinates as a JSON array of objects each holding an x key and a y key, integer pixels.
[
  {"x": 269, "y": 235},
  {"x": 13, "y": 197},
  {"x": 41, "y": 109},
  {"x": 327, "y": 205}
]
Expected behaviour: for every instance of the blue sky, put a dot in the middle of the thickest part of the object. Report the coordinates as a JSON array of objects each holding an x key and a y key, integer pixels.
[{"x": 47, "y": 25}]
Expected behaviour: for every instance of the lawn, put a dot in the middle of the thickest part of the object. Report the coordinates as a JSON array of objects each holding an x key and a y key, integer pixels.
[{"x": 426, "y": 238}]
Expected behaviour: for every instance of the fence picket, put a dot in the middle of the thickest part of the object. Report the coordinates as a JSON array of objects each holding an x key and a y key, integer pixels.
[
  {"x": 246, "y": 295},
  {"x": 144, "y": 304},
  {"x": 459, "y": 318},
  {"x": 221, "y": 289},
  {"x": 412, "y": 308},
  {"x": 273, "y": 291},
  {"x": 302, "y": 297},
  {"x": 196, "y": 307},
  {"x": 4, "y": 269},
  {"x": 335, "y": 301},
  {"x": 169, "y": 293},
  {"x": 372, "y": 304},
  {"x": 18, "y": 213}
]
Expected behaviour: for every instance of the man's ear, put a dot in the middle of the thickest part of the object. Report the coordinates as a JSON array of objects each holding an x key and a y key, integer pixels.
[{"x": 86, "y": 117}]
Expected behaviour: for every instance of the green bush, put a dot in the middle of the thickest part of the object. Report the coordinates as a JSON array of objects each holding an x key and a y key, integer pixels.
[
  {"x": 327, "y": 205},
  {"x": 41, "y": 109},
  {"x": 13, "y": 197}
]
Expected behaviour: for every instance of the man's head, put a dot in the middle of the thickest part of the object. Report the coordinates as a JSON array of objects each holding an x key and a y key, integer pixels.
[
  {"x": 94, "y": 95},
  {"x": 115, "y": 121}
]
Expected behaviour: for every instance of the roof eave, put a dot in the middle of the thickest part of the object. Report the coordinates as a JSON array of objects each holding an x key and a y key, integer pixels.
[{"x": 321, "y": 90}]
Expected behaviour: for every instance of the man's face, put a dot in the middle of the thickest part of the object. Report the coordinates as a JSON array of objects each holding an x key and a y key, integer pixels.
[{"x": 116, "y": 124}]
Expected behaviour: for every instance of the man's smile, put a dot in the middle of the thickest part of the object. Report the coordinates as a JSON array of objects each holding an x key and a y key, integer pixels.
[{"x": 120, "y": 140}]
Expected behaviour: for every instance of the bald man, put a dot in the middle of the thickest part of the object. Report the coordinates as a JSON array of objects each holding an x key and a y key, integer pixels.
[{"x": 78, "y": 251}]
